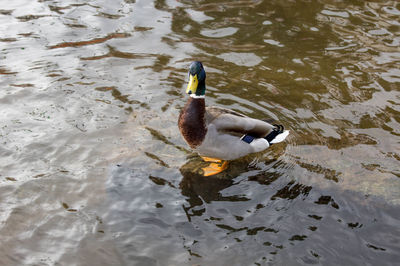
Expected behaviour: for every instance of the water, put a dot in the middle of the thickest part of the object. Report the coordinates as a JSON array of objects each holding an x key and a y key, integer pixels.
[{"x": 94, "y": 171}]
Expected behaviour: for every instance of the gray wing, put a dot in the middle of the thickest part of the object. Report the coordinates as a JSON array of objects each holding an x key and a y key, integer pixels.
[
  {"x": 212, "y": 112},
  {"x": 229, "y": 121}
]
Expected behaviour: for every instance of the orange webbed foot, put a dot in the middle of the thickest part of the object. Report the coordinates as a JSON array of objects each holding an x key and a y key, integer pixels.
[
  {"x": 209, "y": 159},
  {"x": 215, "y": 168}
]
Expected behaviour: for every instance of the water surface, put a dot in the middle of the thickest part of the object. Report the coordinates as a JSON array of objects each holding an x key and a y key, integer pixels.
[{"x": 94, "y": 171}]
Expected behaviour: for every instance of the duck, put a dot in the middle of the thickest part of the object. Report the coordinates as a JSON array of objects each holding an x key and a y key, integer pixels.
[{"x": 220, "y": 135}]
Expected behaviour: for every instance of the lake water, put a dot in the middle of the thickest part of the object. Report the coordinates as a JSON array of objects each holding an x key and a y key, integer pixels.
[{"x": 93, "y": 170}]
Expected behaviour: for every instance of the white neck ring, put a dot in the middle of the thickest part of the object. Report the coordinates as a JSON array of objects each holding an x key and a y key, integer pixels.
[{"x": 197, "y": 96}]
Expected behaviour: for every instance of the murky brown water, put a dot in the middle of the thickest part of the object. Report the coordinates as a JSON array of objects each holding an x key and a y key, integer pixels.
[{"x": 94, "y": 172}]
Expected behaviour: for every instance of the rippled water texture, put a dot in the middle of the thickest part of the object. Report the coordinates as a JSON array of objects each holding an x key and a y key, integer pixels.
[{"x": 94, "y": 171}]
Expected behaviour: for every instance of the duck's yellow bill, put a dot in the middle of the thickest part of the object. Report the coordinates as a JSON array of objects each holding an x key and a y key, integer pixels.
[{"x": 193, "y": 83}]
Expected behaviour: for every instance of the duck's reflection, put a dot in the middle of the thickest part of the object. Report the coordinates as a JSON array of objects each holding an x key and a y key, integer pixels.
[{"x": 201, "y": 189}]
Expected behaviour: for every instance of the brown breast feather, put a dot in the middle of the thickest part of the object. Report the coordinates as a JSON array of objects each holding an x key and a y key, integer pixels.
[{"x": 191, "y": 122}]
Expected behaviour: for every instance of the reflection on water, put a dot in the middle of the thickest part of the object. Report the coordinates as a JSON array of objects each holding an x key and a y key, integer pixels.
[{"x": 94, "y": 172}]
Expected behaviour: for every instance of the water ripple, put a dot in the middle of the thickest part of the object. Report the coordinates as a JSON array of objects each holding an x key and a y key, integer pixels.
[{"x": 93, "y": 171}]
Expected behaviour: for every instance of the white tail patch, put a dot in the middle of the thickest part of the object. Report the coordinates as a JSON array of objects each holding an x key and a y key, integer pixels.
[
  {"x": 259, "y": 144},
  {"x": 281, "y": 137}
]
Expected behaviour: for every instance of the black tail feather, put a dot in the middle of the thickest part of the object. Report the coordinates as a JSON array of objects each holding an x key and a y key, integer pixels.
[{"x": 278, "y": 129}]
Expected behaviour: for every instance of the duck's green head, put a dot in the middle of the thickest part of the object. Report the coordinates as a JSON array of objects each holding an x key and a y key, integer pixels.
[{"x": 197, "y": 79}]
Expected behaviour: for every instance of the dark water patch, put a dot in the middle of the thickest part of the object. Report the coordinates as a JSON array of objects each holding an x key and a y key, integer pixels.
[
  {"x": 27, "y": 85},
  {"x": 313, "y": 228},
  {"x": 75, "y": 25},
  {"x": 159, "y": 136},
  {"x": 325, "y": 200},
  {"x": 140, "y": 28},
  {"x": 230, "y": 229},
  {"x": 298, "y": 238},
  {"x": 292, "y": 191},
  {"x": 90, "y": 42},
  {"x": 6, "y": 12},
  {"x": 109, "y": 16},
  {"x": 27, "y": 34},
  {"x": 39, "y": 175},
  {"x": 265, "y": 178},
  {"x": 117, "y": 95},
  {"x": 31, "y": 17},
  {"x": 316, "y": 217},
  {"x": 375, "y": 247},
  {"x": 4, "y": 71},
  {"x": 160, "y": 181},
  {"x": 328, "y": 173},
  {"x": 157, "y": 159},
  {"x": 253, "y": 231},
  {"x": 8, "y": 39},
  {"x": 57, "y": 9},
  {"x": 354, "y": 225}
]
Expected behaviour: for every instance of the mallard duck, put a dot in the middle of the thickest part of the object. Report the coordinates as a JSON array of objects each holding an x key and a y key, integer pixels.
[{"x": 217, "y": 134}]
